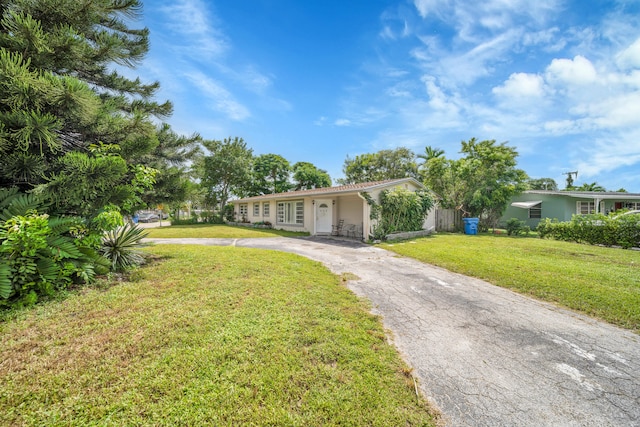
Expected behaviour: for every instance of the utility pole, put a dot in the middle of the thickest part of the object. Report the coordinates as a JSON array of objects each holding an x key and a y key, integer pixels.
[{"x": 570, "y": 177}]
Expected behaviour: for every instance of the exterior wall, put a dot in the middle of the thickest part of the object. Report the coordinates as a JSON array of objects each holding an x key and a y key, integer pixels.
[
  {"x": 349, "y": 207},
  {"x": 554, "y": 206},
  {"x": 261, "y": 217}
]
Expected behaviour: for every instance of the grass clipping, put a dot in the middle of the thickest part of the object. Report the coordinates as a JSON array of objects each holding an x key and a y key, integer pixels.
[{"x": 209, "y": 335}]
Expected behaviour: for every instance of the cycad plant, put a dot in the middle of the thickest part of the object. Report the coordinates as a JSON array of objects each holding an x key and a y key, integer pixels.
[
  {"x": 39, "y": 253},
  {"x": 120, "y": 246}
]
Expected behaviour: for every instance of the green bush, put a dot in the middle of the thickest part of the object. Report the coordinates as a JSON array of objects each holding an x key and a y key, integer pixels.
[
  {"x": 228, "y": 212},
  {"x": 399, "y": 210},
  {"x": 42, "y": 255},
  {"x": 598, "y": 229},
  {"x": 515, "y": 227},
  {"x": 189, "y": 221}
]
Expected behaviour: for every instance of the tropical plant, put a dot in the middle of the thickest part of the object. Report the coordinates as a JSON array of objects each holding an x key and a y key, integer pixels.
[
  {"x": 594, "y": 186},
  {"x": 40, "y": 254},
  {"x": 61, "y": 97},
  {"x": 399, "y": 210},
  {"x": 121, "y": 247}
]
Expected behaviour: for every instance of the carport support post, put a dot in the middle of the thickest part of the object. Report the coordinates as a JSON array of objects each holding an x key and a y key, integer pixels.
[{"x": 366, "y": 217}]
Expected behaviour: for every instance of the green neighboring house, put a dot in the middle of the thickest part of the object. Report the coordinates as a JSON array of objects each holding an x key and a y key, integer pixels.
[{"x": 533, "y": 205}]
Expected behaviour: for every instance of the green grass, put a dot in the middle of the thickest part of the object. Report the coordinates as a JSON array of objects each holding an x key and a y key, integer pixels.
[
  {"x": 217, "y": 230},
  {"x": 207, "y": 336},
  {"x": 601, "y": 282}
]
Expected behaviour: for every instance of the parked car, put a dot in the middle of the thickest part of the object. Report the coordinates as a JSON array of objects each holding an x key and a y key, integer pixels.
[{"x": 145, "y": 216}]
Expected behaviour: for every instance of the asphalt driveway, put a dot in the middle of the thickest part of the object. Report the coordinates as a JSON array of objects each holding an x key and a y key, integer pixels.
[{"x": 483, "y": 355}]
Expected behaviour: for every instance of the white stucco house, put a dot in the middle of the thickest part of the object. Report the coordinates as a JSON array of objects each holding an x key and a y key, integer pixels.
[{"x": 320, "y": 211}]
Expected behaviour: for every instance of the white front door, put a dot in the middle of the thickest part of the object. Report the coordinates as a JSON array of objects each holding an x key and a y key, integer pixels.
[{"x": 324, "y": 217}]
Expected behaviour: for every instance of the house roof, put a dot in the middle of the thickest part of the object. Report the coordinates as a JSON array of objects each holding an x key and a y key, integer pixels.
[
  {"x": 326, "y": 191},
  {"x": 599, "y": 195}
]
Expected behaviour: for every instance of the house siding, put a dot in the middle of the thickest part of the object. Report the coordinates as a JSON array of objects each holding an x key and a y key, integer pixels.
[
  {"x": 558, "y": 206},
  {"x": 347, "y": 205}
]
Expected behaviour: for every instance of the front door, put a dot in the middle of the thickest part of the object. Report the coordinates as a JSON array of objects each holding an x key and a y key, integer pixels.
[{"x": 324, "y": 217}]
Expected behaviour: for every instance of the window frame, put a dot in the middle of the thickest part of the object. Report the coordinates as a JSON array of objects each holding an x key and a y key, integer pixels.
[
  {"x": 243, "y": 210},
  {"x": 290, "y": 213},
  {"x": 256, "y": 208},
  {"x": 535, "y": 212},
  {"x": 591, "y": 207},
  {"x": 266, "y": 208}
]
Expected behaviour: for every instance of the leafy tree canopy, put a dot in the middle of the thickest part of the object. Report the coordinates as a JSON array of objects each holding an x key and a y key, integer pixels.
[
  {"x": 307, "y": 176},
  {"x": 226, "y": 171},
  {"x": 480, "y": 183},
  {"x": 542, "y": 184},
  {"x": 270, "y": 174},
  {"x": 385, "y": 164}
]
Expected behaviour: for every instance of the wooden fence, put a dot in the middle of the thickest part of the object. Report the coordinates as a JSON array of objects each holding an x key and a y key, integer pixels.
[{"x": 448, "y": 220}]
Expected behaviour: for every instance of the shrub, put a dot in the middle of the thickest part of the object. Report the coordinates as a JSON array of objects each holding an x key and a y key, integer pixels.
[
  {"x": 42, "y": 255},
  {"x": 399, "y": 210},
  {"x": 595, "y": 229},
  {"x": 228, "y": 212},
  {"x": 120, "y": 247},
  {"x": 184, "y": 221},
  {"x": 515, "y": 227}
]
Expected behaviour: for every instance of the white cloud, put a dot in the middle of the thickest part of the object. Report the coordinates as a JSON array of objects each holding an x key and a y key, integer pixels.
[
  {"x": 221, "y": 99},
  {"x": 576, "y": 71},
  {"x": 608, "y": 153},
  {"x": 195, "y": 27},
  {"x": 471, "y": 18},
  {"x": 629, "y": 58},
  {"x": 342, "y": 122},
  {"x": 521, "y": 85},
  {"x": 428, "y": 7}
]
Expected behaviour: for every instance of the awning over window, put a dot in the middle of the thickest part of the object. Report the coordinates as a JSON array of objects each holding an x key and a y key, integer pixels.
[{"x": 526, "y": 205}]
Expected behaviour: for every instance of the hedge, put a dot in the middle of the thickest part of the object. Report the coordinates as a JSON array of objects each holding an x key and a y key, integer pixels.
[{"x": 598, "y": 229}]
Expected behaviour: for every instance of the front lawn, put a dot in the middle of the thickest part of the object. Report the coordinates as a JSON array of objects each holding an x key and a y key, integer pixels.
[
  {"x": 217, "y": 230},
  {"x": 601, "y": 282},
  {"x": 207, "y": 336}
]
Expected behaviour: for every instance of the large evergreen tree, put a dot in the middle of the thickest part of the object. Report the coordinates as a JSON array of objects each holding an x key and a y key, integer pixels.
[{"x": 71, "y": 126}]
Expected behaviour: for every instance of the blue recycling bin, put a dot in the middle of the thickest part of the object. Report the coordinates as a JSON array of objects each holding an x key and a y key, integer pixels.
[{"x": 471, "y": 225}]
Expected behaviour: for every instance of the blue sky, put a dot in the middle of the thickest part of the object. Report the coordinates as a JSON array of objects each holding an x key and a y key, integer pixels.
[{"x": 319, "y": 80}]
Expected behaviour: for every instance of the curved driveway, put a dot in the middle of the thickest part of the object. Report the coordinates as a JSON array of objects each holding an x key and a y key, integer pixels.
[{"x": 483, "y": 355}]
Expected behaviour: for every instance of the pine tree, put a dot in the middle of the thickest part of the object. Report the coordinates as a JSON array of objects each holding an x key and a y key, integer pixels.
[{"x": 70, "y": 125}]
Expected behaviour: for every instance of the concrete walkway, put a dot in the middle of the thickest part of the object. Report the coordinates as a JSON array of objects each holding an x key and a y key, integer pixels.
[{"x": 483, "y": 355}]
